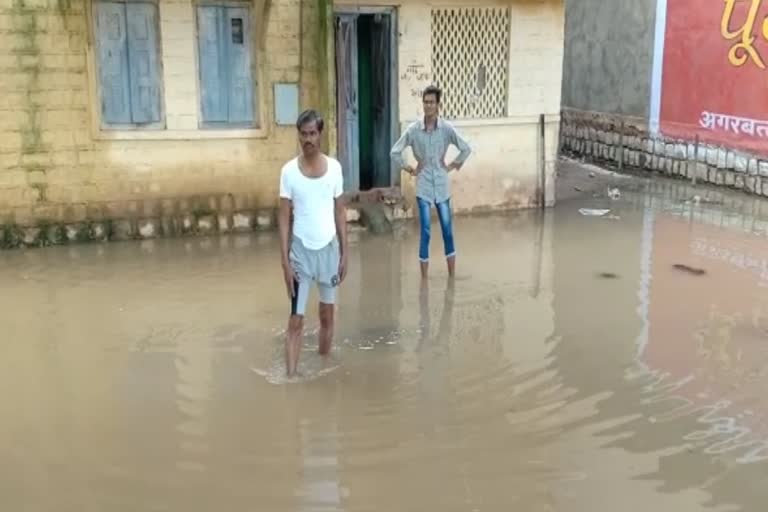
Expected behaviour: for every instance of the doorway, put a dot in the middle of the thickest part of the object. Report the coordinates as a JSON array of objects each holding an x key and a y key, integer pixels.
[{"x": 366, "y": 96}]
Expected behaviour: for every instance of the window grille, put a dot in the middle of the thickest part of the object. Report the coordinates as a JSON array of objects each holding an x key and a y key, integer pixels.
[{"x": 470, "y": 60}]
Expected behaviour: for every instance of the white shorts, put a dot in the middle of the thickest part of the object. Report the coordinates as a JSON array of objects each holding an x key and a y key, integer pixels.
[{"x": 320, "y": 267}]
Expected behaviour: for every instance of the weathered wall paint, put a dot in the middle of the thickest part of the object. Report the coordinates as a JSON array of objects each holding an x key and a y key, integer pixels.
[
  {"x": 56, "y": 165},
  {"x": 608, "y": 56}
]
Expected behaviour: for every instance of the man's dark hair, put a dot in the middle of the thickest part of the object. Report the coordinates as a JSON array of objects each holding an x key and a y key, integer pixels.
[
  {"x": 309, "y": 116},
  {"x": 432, "y": 89}
]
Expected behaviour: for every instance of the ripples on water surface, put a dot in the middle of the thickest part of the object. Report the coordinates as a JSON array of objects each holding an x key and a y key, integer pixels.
[{"x": 149, "y": 376}]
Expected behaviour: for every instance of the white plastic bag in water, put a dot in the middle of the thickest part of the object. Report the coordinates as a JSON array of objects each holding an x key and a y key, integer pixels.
[{"x": 589, "y": 212}]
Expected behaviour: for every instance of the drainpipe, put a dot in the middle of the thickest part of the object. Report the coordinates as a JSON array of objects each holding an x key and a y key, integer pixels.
[{"x": 542, "y": 181}]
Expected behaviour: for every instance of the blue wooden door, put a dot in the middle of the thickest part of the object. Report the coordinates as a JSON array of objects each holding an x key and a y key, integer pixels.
[
  {"x": 347, "y": 100},
  {"x": 212, "y": 64},
  {"x": 226, "y": 77},
  {"x": 239, "y": 64}
]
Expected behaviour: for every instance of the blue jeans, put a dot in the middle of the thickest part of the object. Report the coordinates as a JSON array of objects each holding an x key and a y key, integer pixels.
[{"x": 446, "y": 226}]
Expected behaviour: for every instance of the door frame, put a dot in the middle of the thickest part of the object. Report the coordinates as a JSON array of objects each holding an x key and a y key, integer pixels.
[{"x": 394, "y": 74}]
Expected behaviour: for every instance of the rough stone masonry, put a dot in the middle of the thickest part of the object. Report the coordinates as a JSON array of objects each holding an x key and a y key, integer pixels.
[{"x": 626, "y": 143}]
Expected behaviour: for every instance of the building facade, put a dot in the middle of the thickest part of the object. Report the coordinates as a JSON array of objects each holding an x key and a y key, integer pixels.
[
  {"x": 499, "y": 64},
  {"x": 138, "y": 118}
]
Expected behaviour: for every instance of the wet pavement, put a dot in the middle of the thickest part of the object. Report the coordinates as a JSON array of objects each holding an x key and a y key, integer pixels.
[{"x": 571, "y": 366}]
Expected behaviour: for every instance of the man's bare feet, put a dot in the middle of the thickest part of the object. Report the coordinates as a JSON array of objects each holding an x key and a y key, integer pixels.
[
  {"x": 451, "y": 266},
  {"x": 424, "y": 270}
]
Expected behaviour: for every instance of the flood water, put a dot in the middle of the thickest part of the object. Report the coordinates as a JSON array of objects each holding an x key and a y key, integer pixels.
[{"x": 570, "y": 367}]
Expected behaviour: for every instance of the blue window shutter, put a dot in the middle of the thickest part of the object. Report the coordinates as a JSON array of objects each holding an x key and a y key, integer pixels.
[
  {"x": 238, "y": 44},
  {"x": 113, "y": 63},
  {"x": 143, "y": 62},
  {"x": 213, "y": 66}
]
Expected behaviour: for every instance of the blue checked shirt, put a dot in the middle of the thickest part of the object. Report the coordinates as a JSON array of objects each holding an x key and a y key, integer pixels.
[{"x": 429, "y": 148}]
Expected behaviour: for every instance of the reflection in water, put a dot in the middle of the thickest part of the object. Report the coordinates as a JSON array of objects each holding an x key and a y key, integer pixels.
[
  {"x": 318, "y": 441},
  {"x": 193, "y": 364},
  {"x": 426, "y": 340},
  {"x": 153, "y": 380}
]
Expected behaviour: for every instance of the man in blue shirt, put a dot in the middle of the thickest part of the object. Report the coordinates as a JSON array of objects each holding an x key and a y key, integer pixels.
[{"x": 429, "y": 139}]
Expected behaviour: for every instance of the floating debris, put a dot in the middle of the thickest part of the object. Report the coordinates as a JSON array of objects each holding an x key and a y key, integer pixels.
[
  {"x": 699, "y": 200},
  {"x": 691, "y": 270},
  {"x": 608, "y": 275},
  {"x": 614, "y": 193}
]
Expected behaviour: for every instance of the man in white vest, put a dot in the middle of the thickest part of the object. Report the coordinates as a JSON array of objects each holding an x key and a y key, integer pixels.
[{"x": 314, "y": 245}]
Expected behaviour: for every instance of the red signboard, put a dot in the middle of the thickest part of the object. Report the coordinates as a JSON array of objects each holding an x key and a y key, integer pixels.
[{"x": 715, "y": 72}]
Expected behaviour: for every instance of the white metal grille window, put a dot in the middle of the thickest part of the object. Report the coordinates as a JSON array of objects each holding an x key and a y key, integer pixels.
[{"x": 470, "y": 60}]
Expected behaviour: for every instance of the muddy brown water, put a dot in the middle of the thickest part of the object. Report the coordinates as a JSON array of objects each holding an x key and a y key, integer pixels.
[{"x": 148, "y": 376}]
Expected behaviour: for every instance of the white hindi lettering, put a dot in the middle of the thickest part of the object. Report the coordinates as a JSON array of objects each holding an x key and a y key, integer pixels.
[
  {"x": 738, "y": 125},
  {"x": 748, "y": 126},
  {"x": 707, "y": 120}
]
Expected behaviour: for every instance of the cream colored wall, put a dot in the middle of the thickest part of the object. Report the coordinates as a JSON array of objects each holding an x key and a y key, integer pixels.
[
  {"x": 57, "y": 164},
  {"x": 502, "y": 171}
]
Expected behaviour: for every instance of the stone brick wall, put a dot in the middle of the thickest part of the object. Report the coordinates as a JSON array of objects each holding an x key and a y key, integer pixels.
[
  {"x": 56, "y": 166},
  {"x": 625, "y": 142}
]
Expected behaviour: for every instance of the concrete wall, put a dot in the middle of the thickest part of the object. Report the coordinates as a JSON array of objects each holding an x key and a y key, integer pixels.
[
  {"x": 503, "y": 169},
  {"x": 608, "y": 56},
  {"x": 57, "y": 165}
]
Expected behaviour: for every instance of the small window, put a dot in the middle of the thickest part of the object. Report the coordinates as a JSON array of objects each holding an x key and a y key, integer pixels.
[
  {"x": 128, "y": 63},
  {"x": 226, "y": 77},
  {"x": 237, "y": 31}
]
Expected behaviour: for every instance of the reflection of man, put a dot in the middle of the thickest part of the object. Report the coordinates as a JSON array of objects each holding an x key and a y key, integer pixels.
[
  {"x": 314, "y": 245},
  {"x": 446, "y": 317},
  {"x": 429, "y": 140}
]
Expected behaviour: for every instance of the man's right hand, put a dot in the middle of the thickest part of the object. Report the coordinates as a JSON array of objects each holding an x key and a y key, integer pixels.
[
  {"x": 414, "y": 171},
  {"x": 290, "y": 279}
]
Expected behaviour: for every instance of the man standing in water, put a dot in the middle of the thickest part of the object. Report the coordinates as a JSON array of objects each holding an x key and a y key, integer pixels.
[
  {"x": 313, "y": 245},
  {"x": 429, "y": 140}
]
